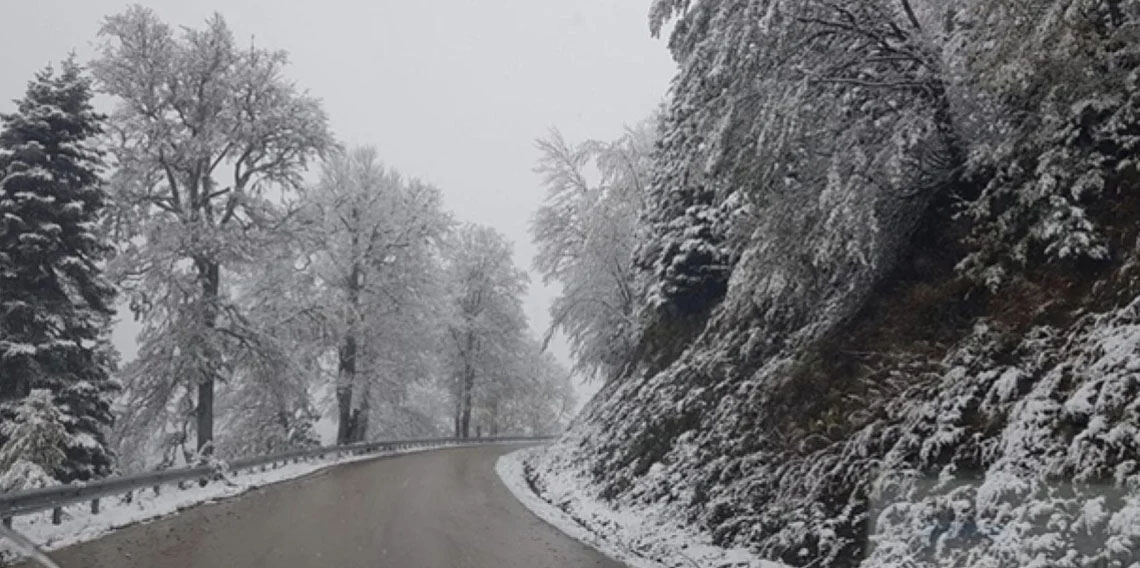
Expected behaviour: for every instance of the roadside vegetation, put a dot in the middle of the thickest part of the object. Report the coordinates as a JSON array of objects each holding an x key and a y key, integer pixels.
[{"x": 885, "y": 292}]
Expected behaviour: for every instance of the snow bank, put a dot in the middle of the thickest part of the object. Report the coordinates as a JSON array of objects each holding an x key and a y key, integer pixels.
[
  {"x": 80, "y": 525},
  {"x": 641, "y": 537}
]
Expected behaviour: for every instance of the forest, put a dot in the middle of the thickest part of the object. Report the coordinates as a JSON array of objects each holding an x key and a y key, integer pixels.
[
  {"x": 877, "y": 304},
  {"x": 275, "y": 275}
]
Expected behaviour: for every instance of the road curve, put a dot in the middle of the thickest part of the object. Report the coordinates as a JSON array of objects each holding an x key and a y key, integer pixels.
[{"x": 438, "y": 509}]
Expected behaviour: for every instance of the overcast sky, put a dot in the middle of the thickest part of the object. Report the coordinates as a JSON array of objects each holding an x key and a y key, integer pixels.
[{"x": 451, "y": 91}]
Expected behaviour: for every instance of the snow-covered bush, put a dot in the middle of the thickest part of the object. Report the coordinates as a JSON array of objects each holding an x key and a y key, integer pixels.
[
  {"x": 36, "y": 439},
  {"x": 24, "y": 474},
  {"x": 1063, "y": 79}
]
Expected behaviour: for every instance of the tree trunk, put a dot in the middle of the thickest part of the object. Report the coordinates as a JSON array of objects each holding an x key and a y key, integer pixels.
[
  {"x": 347, "y": 375},
  {"x": 346, "y": 379},
  {"x": 465, "y": 410},
  {"x": 209, "y": 276},
  {"x": 205, "y": 417},
  {"x": 458, "y": 412},
  {"x": 360, "y": 425},
  {"x": 494, "y": 416}
]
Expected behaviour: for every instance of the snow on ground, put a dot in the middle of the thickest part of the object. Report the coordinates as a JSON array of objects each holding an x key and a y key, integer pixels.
[
  {"x": 79, "y": 525},
  {"x": 640, "y": 537}
]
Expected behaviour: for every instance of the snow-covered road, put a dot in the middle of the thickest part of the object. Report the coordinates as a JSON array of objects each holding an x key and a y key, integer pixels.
[{"x": 444, "y": 508}]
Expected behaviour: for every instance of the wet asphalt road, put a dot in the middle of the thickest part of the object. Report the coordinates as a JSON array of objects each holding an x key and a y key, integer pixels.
[{"x": 439, "y": 509}]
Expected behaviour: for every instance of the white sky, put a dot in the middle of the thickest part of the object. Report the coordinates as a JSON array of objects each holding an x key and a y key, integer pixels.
[{"x": 451, "y": 91}]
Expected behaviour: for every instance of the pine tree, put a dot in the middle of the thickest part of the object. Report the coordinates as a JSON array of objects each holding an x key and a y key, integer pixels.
[
  {"x": 34, "y": 444},
  {"x": 56, "y": 305}
]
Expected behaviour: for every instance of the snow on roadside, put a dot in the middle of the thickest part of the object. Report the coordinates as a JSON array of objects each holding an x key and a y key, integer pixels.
[
  {"x": 80, "y": 525},
  {"x": 640, "y": 538}
]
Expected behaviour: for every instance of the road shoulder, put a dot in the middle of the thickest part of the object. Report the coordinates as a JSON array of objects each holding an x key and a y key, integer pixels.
[{"x": 638, "y": 538}]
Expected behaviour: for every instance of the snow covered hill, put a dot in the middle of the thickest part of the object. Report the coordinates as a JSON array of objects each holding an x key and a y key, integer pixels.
[{"x": 925, "y": 351}]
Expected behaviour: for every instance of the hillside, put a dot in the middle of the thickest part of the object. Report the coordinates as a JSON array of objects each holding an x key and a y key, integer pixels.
[{"x": 891, "y": 281}]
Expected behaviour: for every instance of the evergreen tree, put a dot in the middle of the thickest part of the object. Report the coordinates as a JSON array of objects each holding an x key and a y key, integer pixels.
[
  {"x": 34, "y": 443},
  {"x": 56, "y": 305}
]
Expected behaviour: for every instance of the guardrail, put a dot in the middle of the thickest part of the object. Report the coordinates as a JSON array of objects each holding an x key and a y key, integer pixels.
[{"x": 56, "y": 498}]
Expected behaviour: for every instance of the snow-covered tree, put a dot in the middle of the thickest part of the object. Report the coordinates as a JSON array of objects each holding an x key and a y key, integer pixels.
[
  {"x": 586, "y": 232},
  {"x": 825, "y": 126},
  {"x": 207, "y": 135},
  {"x": 269, "y": 404},
  {"x": 35, "y": 442},
  {"x": 1058, "y": 132},
  {"x": 531, "y": 394},
  {"x": 375, "y": 238},
  {"x": 55, "y": 303},
  {"x": 487, "y": 327}
]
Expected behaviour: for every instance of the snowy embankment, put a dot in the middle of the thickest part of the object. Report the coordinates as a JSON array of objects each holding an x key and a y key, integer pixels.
[
  {"x": 80, "y": 525},
  {"x": 642, "y": 537}
]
